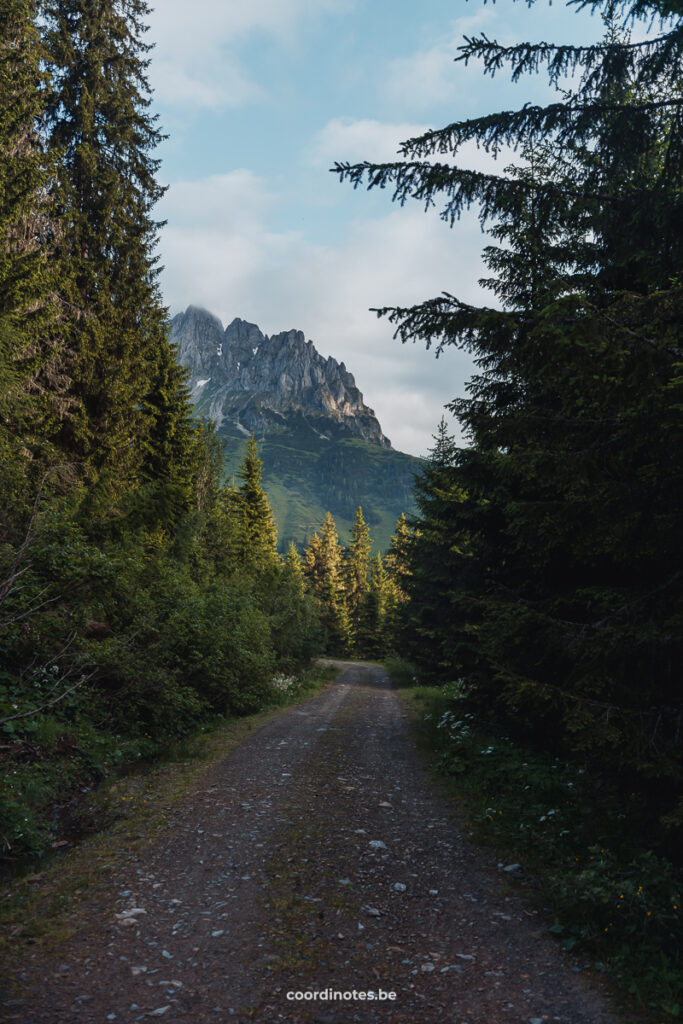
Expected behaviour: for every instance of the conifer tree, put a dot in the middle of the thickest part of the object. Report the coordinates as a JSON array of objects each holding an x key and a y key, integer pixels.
[
  {"x": 257, "y": 527},
  {"x": 295, "y": 628},
  {"x": 372, "y": 636},
  {"x": 397, "y": 568},
  {"x": 356, "y": 567},
  {"x": 295, "y": 570},
  {"x": 396, "y": 560},
  {"x": 26, "y": 311},
  {"x": 560, "y": 523},
  {"x": 98, "y": 119},
  {"x": 324, "y": 566},
  {"x": 435, "y": 562},
  {"x": 313, "y": 565}
]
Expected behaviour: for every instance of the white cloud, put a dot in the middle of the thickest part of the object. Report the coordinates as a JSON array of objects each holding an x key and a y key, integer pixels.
[
  {"x": 429, "y": 76},
  {"x": 346, "y": 138},
  {"x": 195, "y": 60},
  {"x": 219, "y": 251}
]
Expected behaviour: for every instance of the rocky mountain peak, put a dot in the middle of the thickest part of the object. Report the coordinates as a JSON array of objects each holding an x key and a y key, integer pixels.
[{"x": 246, "y": 380}]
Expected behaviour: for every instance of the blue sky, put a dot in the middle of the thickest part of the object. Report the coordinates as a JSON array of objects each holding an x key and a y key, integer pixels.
[{"x": 259, "y": 99}]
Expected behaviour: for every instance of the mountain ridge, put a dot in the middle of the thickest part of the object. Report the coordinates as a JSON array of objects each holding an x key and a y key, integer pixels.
[{"x": 254, "y": 382}]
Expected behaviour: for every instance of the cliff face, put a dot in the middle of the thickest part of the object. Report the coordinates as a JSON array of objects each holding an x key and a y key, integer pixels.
[{"x": 251, "y": 383}]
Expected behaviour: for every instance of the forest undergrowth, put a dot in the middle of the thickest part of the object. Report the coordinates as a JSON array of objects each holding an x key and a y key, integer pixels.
[{"x": 613, "y": 901}]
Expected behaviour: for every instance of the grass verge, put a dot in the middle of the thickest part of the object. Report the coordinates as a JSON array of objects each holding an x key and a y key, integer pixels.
[{"x": 615, "y": 902}]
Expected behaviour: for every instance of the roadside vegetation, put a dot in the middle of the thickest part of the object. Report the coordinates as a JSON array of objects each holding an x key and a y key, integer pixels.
[
  {"x": 121, "y": 815},
  {"x": 573, "y": 840}
]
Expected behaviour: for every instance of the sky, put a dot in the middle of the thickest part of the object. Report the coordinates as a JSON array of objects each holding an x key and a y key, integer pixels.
[{"x": 259, "y": 99}]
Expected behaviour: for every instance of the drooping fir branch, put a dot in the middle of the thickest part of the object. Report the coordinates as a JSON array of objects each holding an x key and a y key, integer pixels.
[
  {"x": 462, "y": 188},
  {"x": 446, "y": 320},
  {"x": 648, "y": 59},
  {"x": 571, "y": 123},
  {"x": 630, "y": 10},
  {"x": 634, "y": 9}
]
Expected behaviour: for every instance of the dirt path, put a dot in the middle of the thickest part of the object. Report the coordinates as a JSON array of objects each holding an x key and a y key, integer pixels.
[{"x": 317, "y": 856}]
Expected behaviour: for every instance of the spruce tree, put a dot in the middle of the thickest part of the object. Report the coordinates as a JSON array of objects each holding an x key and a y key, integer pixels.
[
  {"x": 396, "y": 560},
  {"x": 27, "y": 314},
  {"x": 99, "y": 120},
  {"x": 293, "y": 614},
  {"x": 372, "y": 639},
  {"x": 356, "y": 567},
  {"x": 397, "y": 568},
  {"x": 435, "y": 563},
  {"x": 257, "y": 527},
  {"x": 294, "y": 570},
  {"x": 323, "y": 562},
  {"x": 560, "y": 523},
  {"x": 313, "y": 565}
]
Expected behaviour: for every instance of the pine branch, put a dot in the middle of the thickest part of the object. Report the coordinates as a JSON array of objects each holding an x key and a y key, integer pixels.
[
  {"x": 566, "y": 123},
  {"x": 646, "y": 58}
]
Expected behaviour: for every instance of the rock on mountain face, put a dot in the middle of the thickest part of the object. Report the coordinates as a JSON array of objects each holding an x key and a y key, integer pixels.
[{"x": 248, "y": 382}]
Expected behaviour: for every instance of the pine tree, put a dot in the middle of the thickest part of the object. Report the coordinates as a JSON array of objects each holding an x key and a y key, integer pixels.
[
  {"x": 323, "y": 567},
  {"x": 99, "y": 121},
  {"x": 295, "y": 570},
  {"x": 372, "y": 639},
  {"x": 396, "y": 560},
  {"x": 295, "y": 627},
  {"x": 397, "y": 568},
  {"x": 356, "y": 567},
  {"x": 313, "y": 565},
  {"x": 27, "y": 316},
  {"x": 258, "y": 531},
  {"x": 435, "y": 563},
  {"x": 560, "y": 525}
]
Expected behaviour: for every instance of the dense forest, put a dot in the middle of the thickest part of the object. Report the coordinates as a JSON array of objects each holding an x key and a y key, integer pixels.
[{"x": 140, "y": 595}]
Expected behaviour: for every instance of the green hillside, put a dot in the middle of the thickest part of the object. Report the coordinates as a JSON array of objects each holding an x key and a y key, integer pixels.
[{"x": 304, "y": 480}]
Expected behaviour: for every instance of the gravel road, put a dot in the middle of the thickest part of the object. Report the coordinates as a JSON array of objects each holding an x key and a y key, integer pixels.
[{"x": 317, "y": 856}]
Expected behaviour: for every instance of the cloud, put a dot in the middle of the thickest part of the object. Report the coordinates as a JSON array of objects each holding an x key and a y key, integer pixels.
[
  {"x": 195, "y": 60},
  {"x": 220, "y": 251},
  {"x": 429, "y": 76},
  {"x": 346, "y": 138}
]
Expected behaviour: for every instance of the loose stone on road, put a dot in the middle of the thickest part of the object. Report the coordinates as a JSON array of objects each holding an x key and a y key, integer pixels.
[{"x": 317, "y": 856}]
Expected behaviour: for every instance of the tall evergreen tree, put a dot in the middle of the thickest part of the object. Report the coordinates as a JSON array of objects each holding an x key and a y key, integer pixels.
[
  {"x": 397, "y": 568},
  {"x": 372, "y": 638},
  {"x": 435, "y": 563},
  {"x": 99, "y": 120},
  {"x": 356, "y": 567},
  {"x": 313, "y": 565},
  {"x": 257, "y": 527},
  {"x": 324, "y": 569},
  {"x": 294, "y": 616},
  {"x": 396, "y": 560},
  {"x": 26, "y": 311},
  {"x": 561, "y": 522}
]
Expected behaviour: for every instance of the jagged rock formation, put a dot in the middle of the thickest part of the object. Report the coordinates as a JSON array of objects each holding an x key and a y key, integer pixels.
[{"x": 248, "y": 382}]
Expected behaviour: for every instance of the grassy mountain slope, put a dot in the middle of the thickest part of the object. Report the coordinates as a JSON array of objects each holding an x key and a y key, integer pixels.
[{"x": 305, "y": 477}]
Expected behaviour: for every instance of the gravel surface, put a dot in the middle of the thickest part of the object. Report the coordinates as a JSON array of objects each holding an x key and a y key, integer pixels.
[{"x": 315, "y": 857}]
